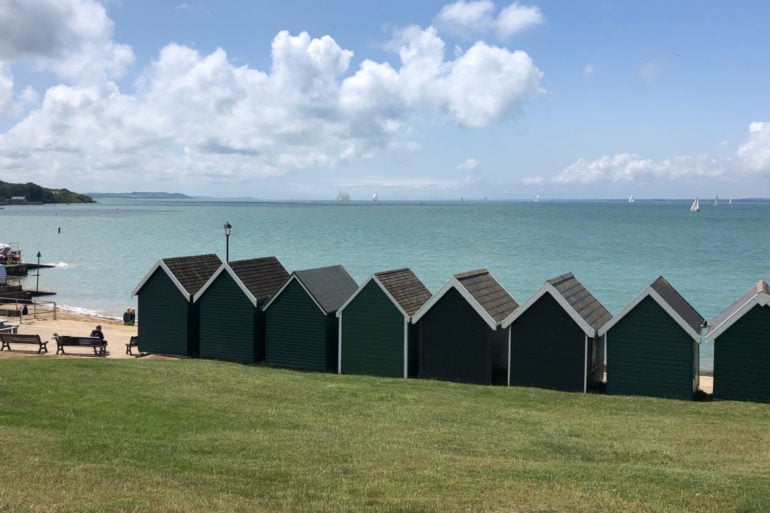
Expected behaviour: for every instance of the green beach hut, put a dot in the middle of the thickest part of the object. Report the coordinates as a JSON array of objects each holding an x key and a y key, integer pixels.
[
  {"x": 653, "y": 345},
  {"x": 168, "y": 315},
  {"x": 376, "y": 336},
  {"x": 300, "y": 320},
  {"x": 553, "y": 341},
  {"x": 741, "y": 337},
  {"x": 459, "y": 333},
  {"x": 232, "y": 323}
]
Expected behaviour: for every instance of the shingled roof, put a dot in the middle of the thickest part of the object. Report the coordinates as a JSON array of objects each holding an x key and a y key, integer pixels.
[
  {"x": 482, "y": 292},
  {"x": 405, "y": 288},
  {"x": 586, "y": 305},
  {"x": 759, "y": 294},
  {"x": 189, "y": 273},
  {"x": 329, "y": 286},
  {"x": 488, "y": 292},
  {"x": 263, "y": 277},
  {"x": 583, "y": 307},
  {"x": 663, "y": 293},
  {"x": 678, "y": 303}
]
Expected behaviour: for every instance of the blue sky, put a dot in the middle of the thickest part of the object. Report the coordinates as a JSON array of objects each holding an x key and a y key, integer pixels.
[{"x": 409, "y": 100}]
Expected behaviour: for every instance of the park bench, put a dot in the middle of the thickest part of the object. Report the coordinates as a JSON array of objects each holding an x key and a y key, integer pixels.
[
  {"x": 99, "y": 346},
  {"x": 133, "y": 342},
  {"x": 9, "y": 328},
  {"x": 16, "y": 338}
]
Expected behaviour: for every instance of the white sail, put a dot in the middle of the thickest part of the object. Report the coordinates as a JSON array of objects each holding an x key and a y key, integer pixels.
[
  {"x": 375, "y": 197},
  {"x": 716, "y": 201},
  {"x": 631, "y": 199},
  {"x": 695, "y": 207}
]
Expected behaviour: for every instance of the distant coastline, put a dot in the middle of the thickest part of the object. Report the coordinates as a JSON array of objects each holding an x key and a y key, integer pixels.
[{"x": 140, "y": 195}]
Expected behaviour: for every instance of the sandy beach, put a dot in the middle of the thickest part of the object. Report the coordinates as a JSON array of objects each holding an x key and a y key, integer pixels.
[{"x": 69, "y": 323}]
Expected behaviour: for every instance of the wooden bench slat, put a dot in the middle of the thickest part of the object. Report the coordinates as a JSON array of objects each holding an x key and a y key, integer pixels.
[
  {"x": 133, "y": 342},
  {"x": 99, "y": 346},
  {"x": 18, "y": 338}
]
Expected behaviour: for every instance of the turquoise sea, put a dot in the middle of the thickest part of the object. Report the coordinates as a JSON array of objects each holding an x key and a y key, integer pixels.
[{"x": 102, "y": 251}]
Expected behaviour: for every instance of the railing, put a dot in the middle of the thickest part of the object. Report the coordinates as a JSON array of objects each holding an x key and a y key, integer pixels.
[{"x": 34, "y": 308}]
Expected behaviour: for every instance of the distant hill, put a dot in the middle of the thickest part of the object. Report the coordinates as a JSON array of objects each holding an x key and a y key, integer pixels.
[
  {"x": 140, "y": 195},
  {"x": 33, "y": 193}
]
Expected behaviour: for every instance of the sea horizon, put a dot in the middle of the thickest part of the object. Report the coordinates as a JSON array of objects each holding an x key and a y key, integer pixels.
[{"x": 102, "y": 251}]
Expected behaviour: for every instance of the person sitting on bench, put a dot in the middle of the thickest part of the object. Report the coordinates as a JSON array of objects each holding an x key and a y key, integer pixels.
[{"x": 97, "y": 333}]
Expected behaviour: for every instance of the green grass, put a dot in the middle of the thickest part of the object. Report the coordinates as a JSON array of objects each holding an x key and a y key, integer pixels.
[{"x": 198, "y": 436}]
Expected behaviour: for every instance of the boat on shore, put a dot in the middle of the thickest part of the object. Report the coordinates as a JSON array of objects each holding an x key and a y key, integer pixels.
[{"x": 14, "y": 264}]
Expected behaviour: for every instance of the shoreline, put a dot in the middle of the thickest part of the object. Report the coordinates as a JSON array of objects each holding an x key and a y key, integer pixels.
[
  {"x": 72, "y": 323},
  {"x": 118, "y": 335}
]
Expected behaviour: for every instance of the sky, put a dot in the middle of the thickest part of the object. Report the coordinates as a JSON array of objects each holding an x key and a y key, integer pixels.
[{"x": 433, "y": 100}]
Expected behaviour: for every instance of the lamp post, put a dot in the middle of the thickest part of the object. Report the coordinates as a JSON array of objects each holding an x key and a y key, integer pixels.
[
  {"x": 228, "y": 227},
  {"x": 37, "y": 276}
]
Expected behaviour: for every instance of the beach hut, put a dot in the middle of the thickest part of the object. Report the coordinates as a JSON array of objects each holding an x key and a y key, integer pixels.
[
  {"x": 653, "y": 345},
  {"x": 376, "y": 336},
  {"x": 169, "y": 316},
  {"x": 741, "y": 337},
  {"x": 553, "y": 341},
  {"x": 301, "y": 325},
  {"x": 459, "y": 332},
  {"x": 232, "y": 323}
]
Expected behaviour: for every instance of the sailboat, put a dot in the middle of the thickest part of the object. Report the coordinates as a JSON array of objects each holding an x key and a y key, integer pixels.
[
  {"x": 716, "y": 201},
  {"x": 695, "y": 207},
  {"x": 631, "y": 199},
  {"x": 375, "y": 197}
]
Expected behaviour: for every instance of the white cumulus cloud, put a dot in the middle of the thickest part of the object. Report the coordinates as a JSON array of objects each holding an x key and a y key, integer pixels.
[
  {"x": 480, "y": 17},
  {"x": 630, "y": 167},
  {"x": 72, "y": 38},
  {"x": 752, "y": 158},
  {"x": 6, "y": 91},
  {"x": 205, "y": 118},
  {"x": 754, "y": 155}
]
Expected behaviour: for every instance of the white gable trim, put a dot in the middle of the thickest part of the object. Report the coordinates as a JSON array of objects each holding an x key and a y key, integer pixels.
[
  {"x": 406, "y": 347},
  {"x": 382, "y": 287},
  {"x": 454, "y": 283},
  {"x": 550, "y": 289},
  {"x": 756, "y": 300},
  {"x": 293, "y": 277},
  {"x": 652, "y": 293},
  {"x": 585, "y": 366},
  {"x": 160, "y": 264},
  {"x": 339, "y": 343},
  {"x": 509, "y": 358},
  {"x": 341, "y": 310},
  {"x": 226, "y": 268}
]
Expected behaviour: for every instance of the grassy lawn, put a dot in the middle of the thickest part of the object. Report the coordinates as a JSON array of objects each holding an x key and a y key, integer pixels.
[{"x": 93, "y": 435}]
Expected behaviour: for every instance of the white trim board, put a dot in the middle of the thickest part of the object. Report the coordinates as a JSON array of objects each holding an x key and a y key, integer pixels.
[
  {"x": 652, "y": 293},
  {"x": 226, "y": 268},
  {"x": 454, "y": 283},
  {"x": 755, "y": 300},
  {"x": 550, "y": 289},
  {"x": 382, "y": 287},
  {"x": 293, "y": 277},
  {"x": 341, "y": 310},
  {"x": 160, "y": 264}
]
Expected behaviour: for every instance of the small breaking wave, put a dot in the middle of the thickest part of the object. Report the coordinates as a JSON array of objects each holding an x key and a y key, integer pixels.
[{"x": 86, "y": 311}]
